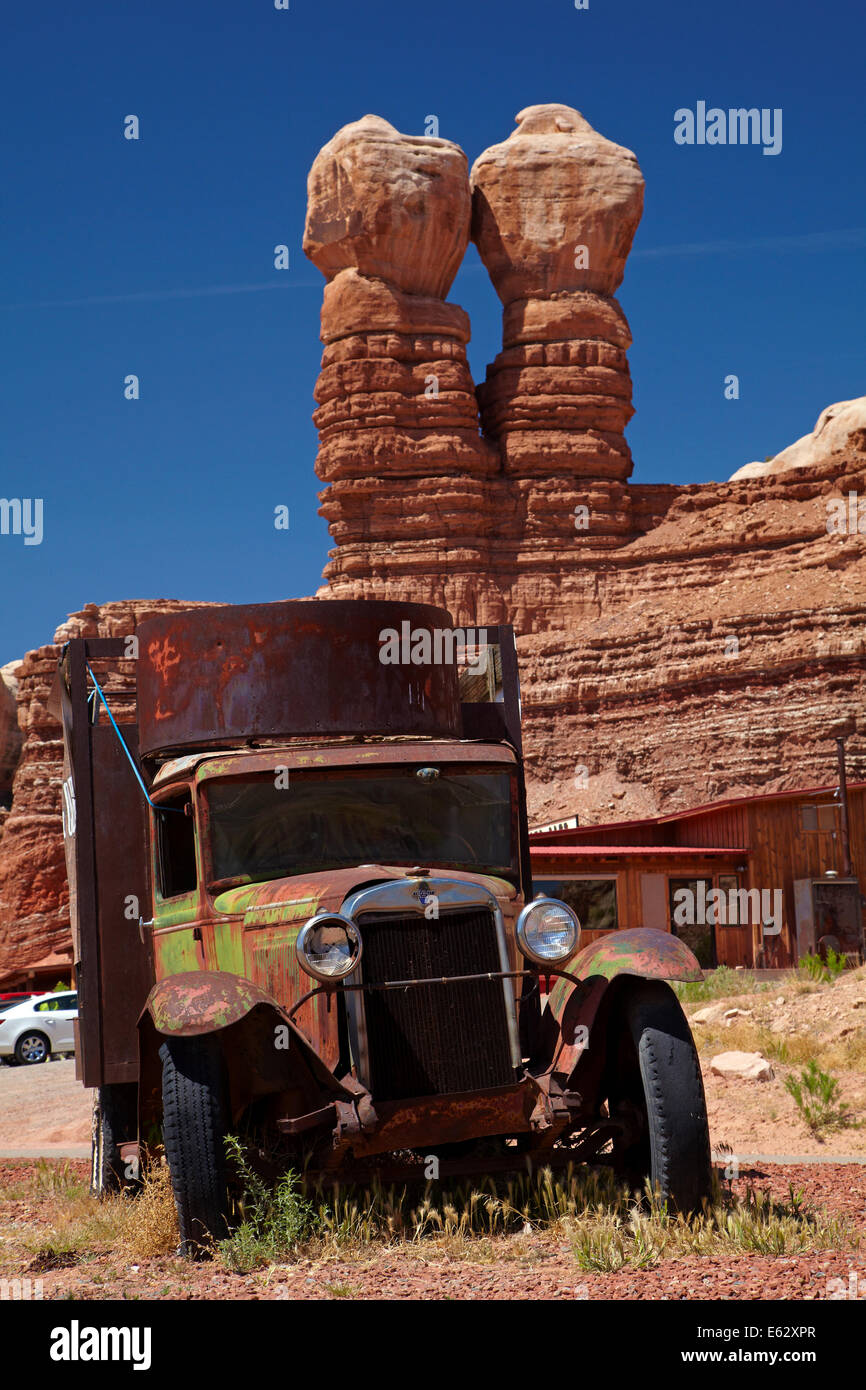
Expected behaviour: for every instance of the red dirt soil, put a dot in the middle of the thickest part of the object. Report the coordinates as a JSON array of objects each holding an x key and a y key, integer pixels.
[{"x": 536, "y": 1266}]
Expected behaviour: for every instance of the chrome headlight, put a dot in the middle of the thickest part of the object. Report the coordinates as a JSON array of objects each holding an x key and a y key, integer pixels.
[
  {"x": 328, "y": 947},
  {"x": 548, "y": 931}
]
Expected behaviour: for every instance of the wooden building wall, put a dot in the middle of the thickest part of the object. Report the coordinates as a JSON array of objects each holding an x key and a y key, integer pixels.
[
  {"x": 769, "y": 839},
  {"x": 630, "y": 874}
]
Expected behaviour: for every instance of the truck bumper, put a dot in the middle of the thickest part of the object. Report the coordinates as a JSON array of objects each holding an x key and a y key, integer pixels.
[{"x": 368, "y": 1127}]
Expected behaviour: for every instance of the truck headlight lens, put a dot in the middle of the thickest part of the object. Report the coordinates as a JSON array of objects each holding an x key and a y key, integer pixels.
[
  {"x": 548, "y": 931},
  {"x": 328, "y": 947}
]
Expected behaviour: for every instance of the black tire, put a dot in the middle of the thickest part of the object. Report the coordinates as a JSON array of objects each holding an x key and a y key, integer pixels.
[
  {"x": 195, "y": 1123},
  {"x": 32, "y": 1049},
  {"x": 114, "y": 1120},
  {"x": 655, "y": 1080}
]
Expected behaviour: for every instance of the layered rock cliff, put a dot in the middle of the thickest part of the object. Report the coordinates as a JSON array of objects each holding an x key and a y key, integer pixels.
[
  {"x": 10, "y": 734},
  {"x": 388, "y": 225},
  {"x": 840, "y": 432},
  {"x": 555, "y": 210},
  {"x": 34, "y": 898},
  {"x": 677, "y": 644}
]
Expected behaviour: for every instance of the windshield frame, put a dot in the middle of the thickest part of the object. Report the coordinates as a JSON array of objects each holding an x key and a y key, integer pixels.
[{"x": 366, "y": 772}]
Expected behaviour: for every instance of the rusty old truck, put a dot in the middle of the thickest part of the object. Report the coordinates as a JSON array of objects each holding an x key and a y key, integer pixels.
[{"x": 303, "y": 915}]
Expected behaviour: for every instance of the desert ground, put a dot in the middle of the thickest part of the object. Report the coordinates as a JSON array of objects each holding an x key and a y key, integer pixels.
[{"x": 789, "y": 1221}]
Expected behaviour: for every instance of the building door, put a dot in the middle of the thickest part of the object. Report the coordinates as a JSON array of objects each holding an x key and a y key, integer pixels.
[
  {"x": 654, "y": 901},
  {"x": 688, "y": 899},
  {"x": 837, "y": 913}
]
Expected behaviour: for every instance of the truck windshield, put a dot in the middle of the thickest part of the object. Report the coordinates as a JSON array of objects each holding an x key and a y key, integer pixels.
[{"x": 458, "y": 820}]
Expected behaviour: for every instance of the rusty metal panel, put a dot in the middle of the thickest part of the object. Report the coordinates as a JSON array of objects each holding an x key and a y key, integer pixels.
[
  {"x": 105, "y": 837},
  {"x": 499, "y": 719},
  {"x": 121, "y": 848},
  {"x": 220, "y": 676},
  {"x": 451, "y": 1119},
  {"x": 69, "y": 701}
]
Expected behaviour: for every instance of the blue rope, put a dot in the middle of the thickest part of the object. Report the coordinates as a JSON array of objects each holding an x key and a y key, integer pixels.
[{"x": 126, "y": 750}]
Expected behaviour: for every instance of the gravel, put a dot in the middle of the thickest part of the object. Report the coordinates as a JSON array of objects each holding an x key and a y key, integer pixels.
[{"x": 537, "y": 1267}]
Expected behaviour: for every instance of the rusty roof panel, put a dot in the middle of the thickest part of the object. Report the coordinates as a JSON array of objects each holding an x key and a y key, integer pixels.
[{"x": 220, "y": 676}]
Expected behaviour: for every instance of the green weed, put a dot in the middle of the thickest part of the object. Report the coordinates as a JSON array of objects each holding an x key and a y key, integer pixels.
[
  {"x": 816, "y": 1095},
  {"x": 275, "y": 1219},
  {"x": 718, "y": 984}
]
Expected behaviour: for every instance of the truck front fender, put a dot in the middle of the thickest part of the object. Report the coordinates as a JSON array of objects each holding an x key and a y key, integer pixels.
[
  {"x": 202, "y": 1001},
  {"x": 642, "y": 951},
  {"x": 247, "y": 1021},
  {"x": 576, "y": 1012}
]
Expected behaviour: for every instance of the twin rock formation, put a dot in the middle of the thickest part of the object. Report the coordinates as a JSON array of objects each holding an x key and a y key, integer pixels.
[{"x": 553, "y": 211}]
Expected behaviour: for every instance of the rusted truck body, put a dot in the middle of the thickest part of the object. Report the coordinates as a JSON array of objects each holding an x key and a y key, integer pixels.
[{"x": 303, "y": 913}]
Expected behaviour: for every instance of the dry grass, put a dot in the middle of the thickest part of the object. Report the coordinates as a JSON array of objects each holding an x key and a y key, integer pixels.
[
  {"x": 723, "y": 983},
  {"x": 584, "y": 1211},
  {"x": 744, "y": 1035},
  {"x": 604, "y": 1226},
  {"x": 797, "y": 984},
  {"x": 639, "y": 1236},
  {"x": 72, "y": 1227},
  {"x": 148, "y": 1225},
  {"x": 788, "y": 1049}
]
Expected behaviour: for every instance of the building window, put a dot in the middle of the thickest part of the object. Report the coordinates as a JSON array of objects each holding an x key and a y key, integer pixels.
[
  {"x": 593, "y": 899},
  {"x": 820, "y": 820}
]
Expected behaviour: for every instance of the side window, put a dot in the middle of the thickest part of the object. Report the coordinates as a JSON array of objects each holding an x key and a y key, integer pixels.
[
  {"x": 820, "y": 819},
  {"x": 175, "y": 838},
  {"x": 57, "y": 1001}
]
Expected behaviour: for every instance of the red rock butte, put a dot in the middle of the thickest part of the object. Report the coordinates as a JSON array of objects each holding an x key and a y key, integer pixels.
[{"x": 677, "y": 644}]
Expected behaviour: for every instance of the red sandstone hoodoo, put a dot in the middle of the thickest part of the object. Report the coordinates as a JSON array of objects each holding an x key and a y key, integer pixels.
[{"x": 303, "y": 872}]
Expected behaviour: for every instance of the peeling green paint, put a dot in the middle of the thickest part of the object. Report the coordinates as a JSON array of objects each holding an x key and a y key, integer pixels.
[
  {"x": 272, "y": 914},
  {"x": 176, "y": 912},
  {"x": 228, "y": 942},
  {"x": 242, "y": 899},
  {"x": 175, "y": 951}
]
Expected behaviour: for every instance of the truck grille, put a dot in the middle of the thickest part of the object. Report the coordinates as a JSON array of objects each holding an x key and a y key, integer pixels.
[{"x": 434, "y": 1039}]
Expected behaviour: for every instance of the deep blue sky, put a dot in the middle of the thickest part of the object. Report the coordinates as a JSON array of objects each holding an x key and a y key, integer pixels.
[{"x": 118, "y": 256}]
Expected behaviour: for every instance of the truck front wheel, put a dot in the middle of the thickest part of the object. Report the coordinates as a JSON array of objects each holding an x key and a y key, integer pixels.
[
  {"x": 655, "y": 1087},
  {"x": 195, "y": 1122}
]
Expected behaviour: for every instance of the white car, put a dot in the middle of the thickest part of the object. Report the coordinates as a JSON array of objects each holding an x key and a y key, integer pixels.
[{"x": 39, "y": 1028}]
